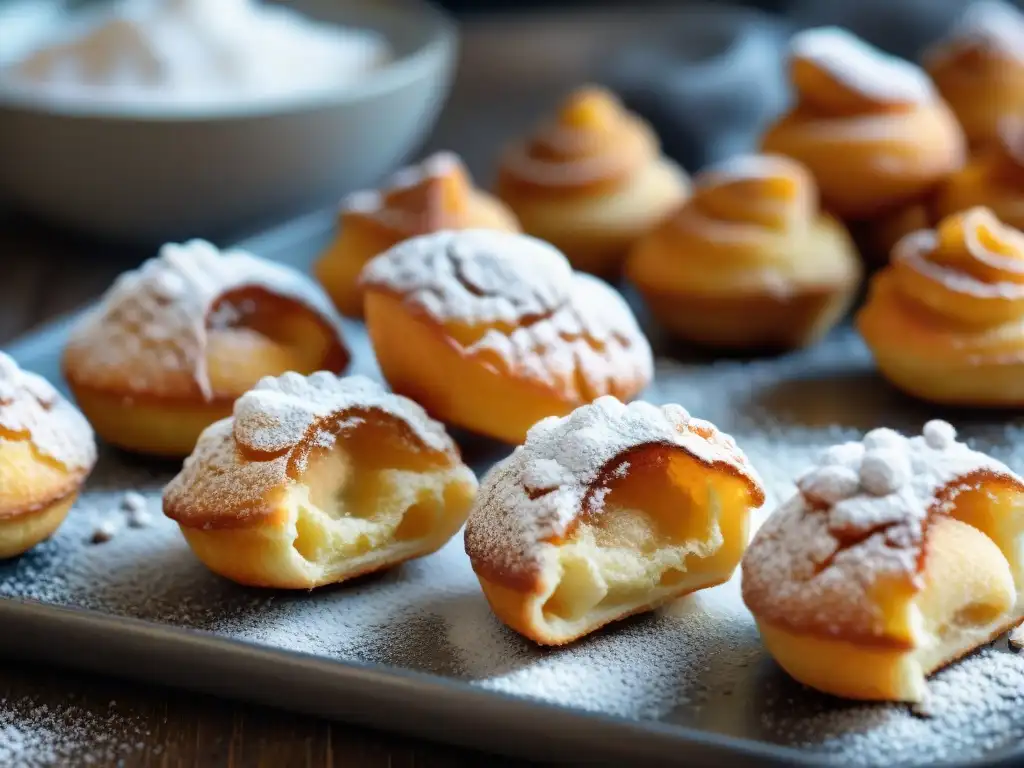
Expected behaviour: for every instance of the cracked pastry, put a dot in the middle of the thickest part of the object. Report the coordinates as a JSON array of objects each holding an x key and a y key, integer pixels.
[
  {"x": 47, "y": 451},
  {"x": 591, "y": 180},
  {"x": 173, "y": 343},
  {"x": 993, "y": 178},
  {"x": 943, "y": 320},
  {"x": 493, "y": 331},
  {"x": 609, "y": 512},
  {"x": 896, "y": 557},
  {"x": 434, "y": 195},
  {"x": 979, "y": 69},
  {"x": 749, "y": 261},
  {"x": 316, "y": 480},
  {"x": 870, "y": 127}
]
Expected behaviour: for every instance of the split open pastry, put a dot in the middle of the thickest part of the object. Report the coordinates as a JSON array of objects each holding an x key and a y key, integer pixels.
[
  {"x": 434, "y": 195},
  {"x": 493, "y": 331},
  {"x": 749, "y": 261},
  {"x": 590, "y": 180},
  {"x": 870, "y": 127},
  {"x": 979, "y": 68},
  {"x": 944, "y": 319},
  {"x": 315, "y": 480},
  {"x": 896, "y": 557},
  {"x": 174, "y": 343},
  {"x": 608, "y": 512},
  {"x": 993, "y": 178},
  {"x": 47, "y": 450}
]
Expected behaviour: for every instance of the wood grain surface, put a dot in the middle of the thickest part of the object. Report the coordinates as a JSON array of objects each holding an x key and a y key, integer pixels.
[{"x": 511, "y": 70}]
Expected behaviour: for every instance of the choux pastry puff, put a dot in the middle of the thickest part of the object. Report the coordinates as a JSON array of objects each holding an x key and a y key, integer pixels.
[
  {"x": 896, "y": 557},
  {"x": 978, "y": 69},
  {"x": 47, "y": 450},
  {"x": 493, "y": 331},
  {"x": 608, "y": 512},
  {"x": 749, "y": 261},
  {"x": 872, "y": 130},
  {"x": 173, "y": 344},
  {"x": 315, "y": 480},
  {"x": 943, "y": 320},
  {"x": 434, "y": 195},
  {"x": 590, "y": 181}
]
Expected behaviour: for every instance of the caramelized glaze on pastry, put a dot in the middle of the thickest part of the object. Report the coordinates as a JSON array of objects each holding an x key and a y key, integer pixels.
[
  {"x": 437, "y": 194},
  {"x": 748, "y": 261},
  {"x": 47, "y": 450},
  {"x": 591, "y": 181},
  {"x": 172, "y": 344},
  {"x": 315, "y": 480},
  {"x": 608, "y": 512},
  {"x": 994, "y": 178},
  {"x": 944, "y": 319},
  {"x": 870, "y": 127},
  {"x": 493, "y": 331},
  {"x": 979, "y": 69},
  {"x": 896, "y": 557}
]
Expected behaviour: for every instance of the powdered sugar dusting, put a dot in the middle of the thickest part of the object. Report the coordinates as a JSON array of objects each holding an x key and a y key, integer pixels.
[
  {"x": 150, "y": 327},
  {"x": 30, "y": 407},
  {"x": 237, "y": 461},
  {"x": 536, "y": 493},
  {"x": 858, "y": 521},
  {"x": 862, "y": 67},
  {"x": 990, "y": 26}
]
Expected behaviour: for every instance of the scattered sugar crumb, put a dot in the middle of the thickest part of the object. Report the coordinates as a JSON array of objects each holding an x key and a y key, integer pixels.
[
  {"x": 136, "y": 510},
  {"x": 104, "y": 532},
  {"x": 1017, "y": 638}
]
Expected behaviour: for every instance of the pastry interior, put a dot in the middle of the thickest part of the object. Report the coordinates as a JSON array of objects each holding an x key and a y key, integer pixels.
[
  {"x": 943, "y": 320},
  {"x": 652, "y": 522},
  {"x": 590, "y": 180},
  {"x": 493, "y": 331},
  {"x": 749, "y": 261},
  {"x": 434, "y": 195},
  {"x": 949, "y": 582},
  {"x": 979, "y": 69},
  {"x": 173, "y": 344},
  {"x": 360, "y": 492}
]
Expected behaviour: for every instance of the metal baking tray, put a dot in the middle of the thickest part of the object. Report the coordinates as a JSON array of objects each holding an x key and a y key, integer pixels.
[{"x": 416, "y": 649}]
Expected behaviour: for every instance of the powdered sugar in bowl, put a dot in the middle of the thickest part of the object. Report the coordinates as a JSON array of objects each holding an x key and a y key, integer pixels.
[{"x": 152, "y": 120}]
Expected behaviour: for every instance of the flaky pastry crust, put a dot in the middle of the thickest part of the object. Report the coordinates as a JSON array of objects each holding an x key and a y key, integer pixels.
[
  {"x": 434, "y": 195},
  {"x": 610, "y": 511},
  {"x": 493, "y": 331},
  {"x": 749, "y": 261},
  {"x": 870, "y": 127},
  {"x": 174, "y": 343},
  {"x": 979, "y": 69},
  {"x": 591, "y": 181},
  {"x": 47, "y": 451},
  {"x": 896, "y": 557},
  {"x": 315, "y": 480},
  {"x": 944, "y": 319}
]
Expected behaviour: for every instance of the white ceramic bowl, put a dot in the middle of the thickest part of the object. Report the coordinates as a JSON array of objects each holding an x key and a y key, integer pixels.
[{"x": 150, "y": 176}]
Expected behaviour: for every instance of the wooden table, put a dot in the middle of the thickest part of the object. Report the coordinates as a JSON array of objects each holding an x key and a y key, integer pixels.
[{"x": 511, "y": 70}]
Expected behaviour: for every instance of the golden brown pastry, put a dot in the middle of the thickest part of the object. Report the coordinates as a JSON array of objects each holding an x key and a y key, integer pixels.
[
  {"x": 979, "y": 69},
  {"x": 748, "y": 261},
  {"x": 437, "y": 194},
  {"x": 47, "y": 450},
  {"x": 994, "y": 178},
  {"x": 172, "y": 344},
  {"x": 493, "y": 331},
  {"x": 944, "y": 319},
  {"x": 591, "y": 181},
  {"x": 608, "y": 512},
  {"x": 870, "y": 127},
  {"x": 896, "y": 557},
  {"x": 315, "y": 480}
]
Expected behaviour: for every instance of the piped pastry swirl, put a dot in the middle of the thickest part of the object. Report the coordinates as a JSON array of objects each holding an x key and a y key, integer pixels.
[
  {"x": 590, "y": 180},
  {"x": 994, "y": 178},
  {"x": 749, "y": 260}
]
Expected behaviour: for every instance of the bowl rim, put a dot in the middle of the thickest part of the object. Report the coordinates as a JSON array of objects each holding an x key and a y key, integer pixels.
[{"x": 439, "y": 43}]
